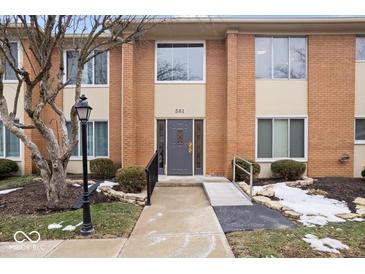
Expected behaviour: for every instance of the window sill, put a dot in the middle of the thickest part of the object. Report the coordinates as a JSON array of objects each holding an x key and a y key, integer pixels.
[
  {"x": 79, "y": 158},
  {"x": 10, "y": 81},
  {"x": 281, "y": 79},
  {"x": 360, "y": 142},
  {"x": 15, "y": 159},
  {"x": 180, "y": 82},
  {"x": 88, "y": 86},
  {"x": 270, "y": 160}
]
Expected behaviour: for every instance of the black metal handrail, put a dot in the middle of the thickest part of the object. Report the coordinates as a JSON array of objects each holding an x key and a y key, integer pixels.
[{"x": 151, "y": 176}]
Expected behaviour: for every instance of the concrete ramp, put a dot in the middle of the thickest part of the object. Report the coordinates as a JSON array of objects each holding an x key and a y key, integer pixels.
[{"x": 225, "y": 194}]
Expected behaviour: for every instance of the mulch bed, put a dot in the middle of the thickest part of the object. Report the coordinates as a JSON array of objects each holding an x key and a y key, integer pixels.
[
  {"x": 32, "y": 200},
  {"x": 339, "y": 188}
]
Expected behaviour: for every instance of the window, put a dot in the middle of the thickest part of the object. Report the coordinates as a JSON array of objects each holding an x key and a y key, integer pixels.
[
  {"x": 9, "y": 143},
  {"x": 97, "y": 139},
  {"x": 95, "y": 71},
  {"x": 360, "y": 48},
  {"x": 281, "y": 57},
  {"x": 9, "y": 72},
  {"x": 360, "y": 130},
  {"x": 180, "y": 62},
  {"x": 280, "y": 138}
]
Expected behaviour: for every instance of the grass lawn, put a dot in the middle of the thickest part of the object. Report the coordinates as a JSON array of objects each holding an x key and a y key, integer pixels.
[
  {"x": 17, "y": 181},
  {"x": 109, "y": 220},
  {"x": 289, "y": 243}
]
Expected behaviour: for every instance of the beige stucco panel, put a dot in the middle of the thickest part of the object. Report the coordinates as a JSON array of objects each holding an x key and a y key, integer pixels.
[
  {"x": 9, "y": 93},
  {"x": 98, "y": 98},
  {"x": 360, "y": 89},
  {"x": 359, "y": 159},
  {"x": 281, "y": 97},
  {"x": 187, "y": 97}
]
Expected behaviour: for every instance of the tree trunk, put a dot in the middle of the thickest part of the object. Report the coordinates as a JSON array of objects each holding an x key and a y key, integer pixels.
[{"x": 55, "y": 184}]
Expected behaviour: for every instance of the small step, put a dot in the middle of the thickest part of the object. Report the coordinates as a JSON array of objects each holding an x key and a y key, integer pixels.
[{"x": 225, "y": 194}]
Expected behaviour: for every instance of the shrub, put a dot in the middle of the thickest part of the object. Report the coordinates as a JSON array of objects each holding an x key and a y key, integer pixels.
[
  {"x": 241, "y": 175},
  {"x": 288, "y": 169},
  {"x": 7, "y": 167},
  {"x": 132, "y": 179},
  {"x": 363, "y": 173},
  {"x": 102, "y": 168}
]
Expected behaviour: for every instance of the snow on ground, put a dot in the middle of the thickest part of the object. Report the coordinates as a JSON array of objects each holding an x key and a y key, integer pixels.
[
  {"x": 6, "y": 191},
  {"x": 55, "y": 225},
  {"x": 106, "y": 184},
  {"x": 71, "y": 227},
  {"x": 315, "y": 209},
  {"x": 325, "y": 244}
]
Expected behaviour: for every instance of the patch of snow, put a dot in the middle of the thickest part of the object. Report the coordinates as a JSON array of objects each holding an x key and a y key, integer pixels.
[
  {"x": 71, "y": 227},
  {"x": 315, "y": 209},
  {"x": 55, "y": 225},
  {"x": 76, "y": 185},
  {"x": 325, "y": 244},
  {"x": 106, "y": 184},
  {"x": 6, "y": 191},
  {"x": 257, "y": 188},
  {"x": 357, "y": 219}
]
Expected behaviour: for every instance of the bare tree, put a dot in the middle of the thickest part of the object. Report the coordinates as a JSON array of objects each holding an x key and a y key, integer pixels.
[{"x": 42, "y": 38}]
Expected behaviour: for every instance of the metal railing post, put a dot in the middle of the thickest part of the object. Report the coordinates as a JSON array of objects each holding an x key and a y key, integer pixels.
[
  {"x": 234, "y": 169},
  {"x": 251, "y": 179},
  {"x": 148, "y": 202}
]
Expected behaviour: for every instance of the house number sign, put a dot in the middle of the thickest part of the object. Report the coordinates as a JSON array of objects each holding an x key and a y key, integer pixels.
[{"x": 179, "y": 110}]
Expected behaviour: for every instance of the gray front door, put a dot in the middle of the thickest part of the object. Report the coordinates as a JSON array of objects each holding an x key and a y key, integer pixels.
[{"x": 179, "y": 147}]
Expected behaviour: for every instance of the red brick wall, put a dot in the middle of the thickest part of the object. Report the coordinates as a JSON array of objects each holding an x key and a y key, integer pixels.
[
  {"x": 144, "y": 89},
  {"x": 231, "y": 105},
  {"x": 331, "y": 91},
  {"x": 115, "y": 105},
  {"x": 215, "y": 106},
  {"x": 129, "y": 110},
  {"x": 246, "y": 96}
]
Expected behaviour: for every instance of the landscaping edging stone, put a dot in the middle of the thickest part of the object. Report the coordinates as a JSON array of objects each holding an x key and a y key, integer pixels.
[
  {"x": 132, "y": 198},
  {"x": 264, "y": 197},
  {"x": 360, "y": 206}
]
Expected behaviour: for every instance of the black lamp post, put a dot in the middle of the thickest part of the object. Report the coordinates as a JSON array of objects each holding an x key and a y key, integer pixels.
[{"x": 83, "y": 112}]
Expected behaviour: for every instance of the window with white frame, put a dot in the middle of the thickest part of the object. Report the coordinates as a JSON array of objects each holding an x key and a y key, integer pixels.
[
  {"x": 95, "y": 71},
  {"x": 180, "y": 62},
  {"x": 9, "y": 73},
  {"x": 281, "y": 57},
  {"x": 360, "y": 48},
  {"x": 280, "y": 138},
  {"x": 9, "y": 143},
  {"x": 360, "y": 130},
  {"x": 97, "y": 139}
]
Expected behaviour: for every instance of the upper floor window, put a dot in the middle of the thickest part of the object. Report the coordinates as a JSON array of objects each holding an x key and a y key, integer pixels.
[
  {"x": 95, "y": 71},
  {"x": 180, "y": 62},
  {"x": 360, "y": 48},
  {"x": 9, "y": 143},
  {"x": 9, "y": 72},
  {"x": 281, "y": 57}
]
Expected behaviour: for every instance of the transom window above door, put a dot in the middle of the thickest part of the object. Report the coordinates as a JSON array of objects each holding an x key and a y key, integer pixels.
[
  {"x": 180, "y": 62},
  {"x": 281, "y": 57}
]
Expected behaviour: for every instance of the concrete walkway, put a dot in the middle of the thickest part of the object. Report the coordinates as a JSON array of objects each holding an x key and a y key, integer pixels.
[
  {"x": 180, "y": 223},
  {"x": 85, "y": 248}
]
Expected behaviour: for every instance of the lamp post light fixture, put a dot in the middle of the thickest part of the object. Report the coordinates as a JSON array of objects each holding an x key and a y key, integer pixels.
[{"x": 83, "y": 112}]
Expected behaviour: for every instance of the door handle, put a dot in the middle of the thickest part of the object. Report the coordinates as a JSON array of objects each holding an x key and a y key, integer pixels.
[{"x": 190, "y": 147}]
